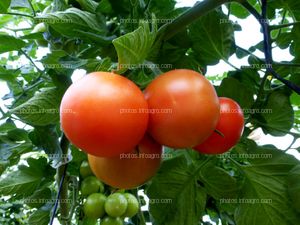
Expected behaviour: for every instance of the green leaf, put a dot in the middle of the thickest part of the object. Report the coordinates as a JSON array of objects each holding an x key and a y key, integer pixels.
[
  {"x": 210, "y": 47},
  {"x": 217, "y": 182},
  {"x": 240, "y": 92},
  {"x": 4, "y": 4},
  {"x": 294, "y": 187},
  {"x": 10, "y": 43},
  {"x": 176, "y": 184},
  {"x": 280, "y": 115},
  {"x": 39, "y": 217},
  {"x": 264, "y": 198},
  {"x": 238, "y": 10},
  {"x": 24, "y": 181},
  {"x": 133, "y": 48},
  {"x": 88, "y": 5},
  {"x": 69, "y": 21},
  {"x": 8, "y": 75},
  {"x": 39, "y": 198},
  {"x": 42, "y": 109},
  {"x": 104, "y": 7},
  {"x": 47, "y": 138}
]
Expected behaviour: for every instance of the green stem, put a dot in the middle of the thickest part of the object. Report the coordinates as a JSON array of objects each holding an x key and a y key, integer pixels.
[
  {"x": 31, "y": 6},
  {"x": 169, "y": 30},
  {"x": 63, "y": 205},
  {"x": 18, "y": 14},
  {"x": 280, "y": 26},
  {"x": 140, "y": 213},
  {"x": 27, "y": 56}
]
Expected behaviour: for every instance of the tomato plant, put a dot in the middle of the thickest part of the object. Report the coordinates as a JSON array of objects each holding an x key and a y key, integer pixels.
[
  {"x": 131, "y": 87},
  {"x": 229, "y": 129},
  {"x": 188, "y": 99},
  {"x": 125, "y": 170},
  {"x": 92, "y": 114}
]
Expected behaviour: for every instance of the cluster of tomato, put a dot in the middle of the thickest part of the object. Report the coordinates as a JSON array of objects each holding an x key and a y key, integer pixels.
[
  {"x": 111, "y": 209},
  {"x": 122, "y": 128}
]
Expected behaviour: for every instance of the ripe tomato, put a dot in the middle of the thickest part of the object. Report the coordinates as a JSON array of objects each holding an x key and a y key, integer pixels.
[
  {"x": 115, "y": 205},
  {"x": 129, "y": 170},
  {"x": 230, "y": 124},
  {"x": 99, "y": 114},
  {"x": 132, "y": 207},
  {"x": 93, "y": 207},
  {"x": 181, "y": 100},
  {"x": 91, "y": 185}
]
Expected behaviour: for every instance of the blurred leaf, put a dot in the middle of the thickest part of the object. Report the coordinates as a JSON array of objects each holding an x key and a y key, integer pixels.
[
  {"x": 24, "y": 181},
  {"x": 279, "y": 116},
  {"x": 39, "y": 198},
  {"x": 176, "y": 183},
  {"x": 210, "y": 47},
  {"x": 72, "y": 20},
  {"x": 104, "y": 7},
  {"x": 265, "y": 190},
  {"x": 88, "y": 5},
  {"x": 4, "y": 4},
  {"x": 240, "y": 92},
  {"x": 42, "y": 109},
  {"x": 39, "y": 217},
  {"x": 294, "y": 187},
  {"x": 47, "y": 138},
  {"x": 10, "y": 43}
]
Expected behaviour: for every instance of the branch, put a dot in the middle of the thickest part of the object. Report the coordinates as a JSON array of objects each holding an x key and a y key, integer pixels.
[
  {"x": 18, "y": 14},
  {"x": 280, "y": 26},
  {"x": 62, "y": 194},
  {"x": 170, "y": 29},
  {"x": 28, "y": 57},
  {"x": 31, "y": 6},
  {"x": 288, "y": 83}
]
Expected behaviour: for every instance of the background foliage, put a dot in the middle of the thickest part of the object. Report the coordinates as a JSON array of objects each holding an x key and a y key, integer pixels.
[{"x": 250, "y": 185}]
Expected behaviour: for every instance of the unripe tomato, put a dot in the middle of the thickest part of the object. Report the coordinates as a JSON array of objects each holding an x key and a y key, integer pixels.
[
  {"x": 230, "y": 124},
  {"x": 111, "y": 221},
  {"x": 91, "y": 185},
  {"x": 129, "y": 170},
  {"x": 85, "y": 169},
  {"x": 100, "y": 114},
  {"x": 179, "y": 101},
  {"x": 115, "y": 205},
  {"x": 93, "y": 207},
  {"x": 132, "y": 207}
]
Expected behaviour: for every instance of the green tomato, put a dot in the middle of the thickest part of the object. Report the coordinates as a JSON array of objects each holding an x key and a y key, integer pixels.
[
  {"x": 116, "y": 205},
  {"x": 93, "y": 207},
  {"x": 85, "y": 169},
  {"x": 132, "y": 206},
  {"x": 91, "y": 185},
  {"x": 111, "y": 221}
]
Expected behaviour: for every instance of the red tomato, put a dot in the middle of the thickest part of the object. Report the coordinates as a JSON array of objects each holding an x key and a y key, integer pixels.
[
  {"x": 179, "y": 101},
  {"x": 231, "y": 125},
  {"x": 129, "y": 170},
  {"x": 100, "y": 114}
]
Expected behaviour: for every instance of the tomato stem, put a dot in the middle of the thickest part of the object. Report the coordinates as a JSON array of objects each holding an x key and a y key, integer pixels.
[{"x": 170, "y": 29}]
